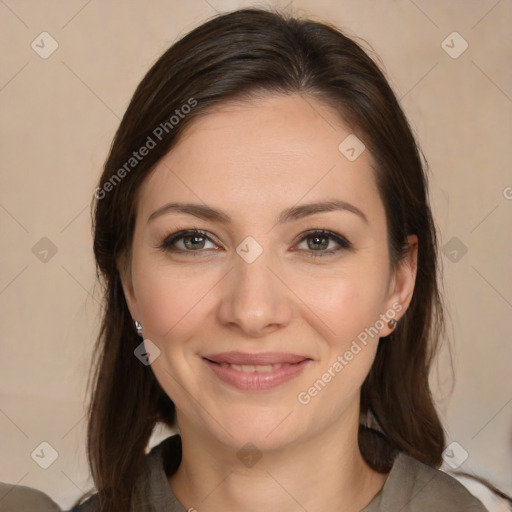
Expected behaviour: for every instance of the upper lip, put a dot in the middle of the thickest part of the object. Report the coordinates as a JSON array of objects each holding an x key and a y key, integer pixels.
[{"x": 263, "y": 358}]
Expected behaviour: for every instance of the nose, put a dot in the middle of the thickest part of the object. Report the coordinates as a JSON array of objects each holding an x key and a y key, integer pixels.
[{"x": 255, "y": 300}]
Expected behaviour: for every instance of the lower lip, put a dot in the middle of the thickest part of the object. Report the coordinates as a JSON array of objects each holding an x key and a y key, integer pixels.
[{"x": 257, "y": 381}]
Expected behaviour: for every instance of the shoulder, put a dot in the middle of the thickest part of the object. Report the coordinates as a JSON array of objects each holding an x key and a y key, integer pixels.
[
  {"x": 14, "y": 498},
  {"x": 151, "y": 485},
  {"x": 414, "y": 487},
  {"x": 91, "y": 504}
]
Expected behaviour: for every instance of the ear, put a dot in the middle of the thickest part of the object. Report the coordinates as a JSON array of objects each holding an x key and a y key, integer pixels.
[
  {"x": 402, "y": 285},
  {"x": 125, "y": 274}
]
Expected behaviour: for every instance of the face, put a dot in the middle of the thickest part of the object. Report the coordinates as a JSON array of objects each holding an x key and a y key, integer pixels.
[{"x": 267, "y": 310}]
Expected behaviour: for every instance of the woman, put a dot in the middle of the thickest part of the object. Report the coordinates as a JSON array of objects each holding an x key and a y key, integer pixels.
[{"x": 264, "y": 235}]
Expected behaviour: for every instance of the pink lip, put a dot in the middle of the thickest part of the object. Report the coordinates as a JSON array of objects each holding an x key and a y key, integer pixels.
[
  {"x": 255, "y": 359},
  {"x": 293, "y": 365}
]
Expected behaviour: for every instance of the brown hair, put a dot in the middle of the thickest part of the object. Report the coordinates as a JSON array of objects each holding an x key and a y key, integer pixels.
[{"x": 236, "y": 56}]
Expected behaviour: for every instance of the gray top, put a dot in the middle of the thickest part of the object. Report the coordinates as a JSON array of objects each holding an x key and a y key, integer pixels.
[{"x": 411, "y": 486}]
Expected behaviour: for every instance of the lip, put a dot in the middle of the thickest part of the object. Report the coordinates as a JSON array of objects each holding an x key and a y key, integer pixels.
[
  {"x": 243, "y": 358},
  {"x": 292, "y": 366}
]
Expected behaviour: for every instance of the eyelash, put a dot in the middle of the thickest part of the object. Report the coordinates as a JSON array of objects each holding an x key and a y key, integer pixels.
[{"x": 171, "y": 239}]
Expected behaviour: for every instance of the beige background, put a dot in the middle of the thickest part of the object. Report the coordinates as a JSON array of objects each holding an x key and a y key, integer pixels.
[{"x": 59, "y": 115}]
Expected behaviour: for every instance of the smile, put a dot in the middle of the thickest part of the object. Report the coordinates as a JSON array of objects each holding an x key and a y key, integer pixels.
[
  {"x": 251, "y": 368},
  {"x": 256, "y": 372}
]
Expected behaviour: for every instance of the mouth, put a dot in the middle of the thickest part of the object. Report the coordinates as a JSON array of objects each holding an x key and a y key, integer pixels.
[{"x": 256, "y": 372}]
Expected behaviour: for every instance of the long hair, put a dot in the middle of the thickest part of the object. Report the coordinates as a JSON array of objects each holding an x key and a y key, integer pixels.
[{"x": 238, "y": 56}]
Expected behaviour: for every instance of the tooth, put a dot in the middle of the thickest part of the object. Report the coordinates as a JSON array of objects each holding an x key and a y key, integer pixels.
[
  {"x": 264, "y": 368},
  {"x": 249, "y": 368}
]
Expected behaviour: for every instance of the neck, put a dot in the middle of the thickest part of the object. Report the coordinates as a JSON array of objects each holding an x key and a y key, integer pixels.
[{"x": 324, "y": 472}]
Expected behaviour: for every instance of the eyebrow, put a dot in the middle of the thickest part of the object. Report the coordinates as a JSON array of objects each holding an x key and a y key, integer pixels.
[{"x": 205, "y": 212}]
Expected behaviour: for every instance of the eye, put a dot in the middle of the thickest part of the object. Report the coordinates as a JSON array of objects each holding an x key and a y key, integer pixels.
[
  {"x": 322, "y": 243},
  {"x": 190, "y": 240},
  {"x": 314, "y": 243}
]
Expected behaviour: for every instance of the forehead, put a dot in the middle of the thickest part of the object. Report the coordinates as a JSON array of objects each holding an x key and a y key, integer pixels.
[{"x": 260, "y": 155}]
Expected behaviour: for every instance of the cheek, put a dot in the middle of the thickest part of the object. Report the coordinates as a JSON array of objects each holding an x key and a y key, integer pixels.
[
  {"x": 345, "y": 314},
  {"x": 344, "y": 305},
  {"x": 168, "y": 301},
  {"x": 173, "y": 308}
]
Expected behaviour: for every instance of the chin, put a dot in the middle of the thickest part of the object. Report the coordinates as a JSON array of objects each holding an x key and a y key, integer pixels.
[{"x": 267, "y": 430}]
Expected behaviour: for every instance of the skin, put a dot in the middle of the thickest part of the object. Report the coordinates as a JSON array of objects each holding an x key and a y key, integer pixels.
[{"x": 253, "y": 160}]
